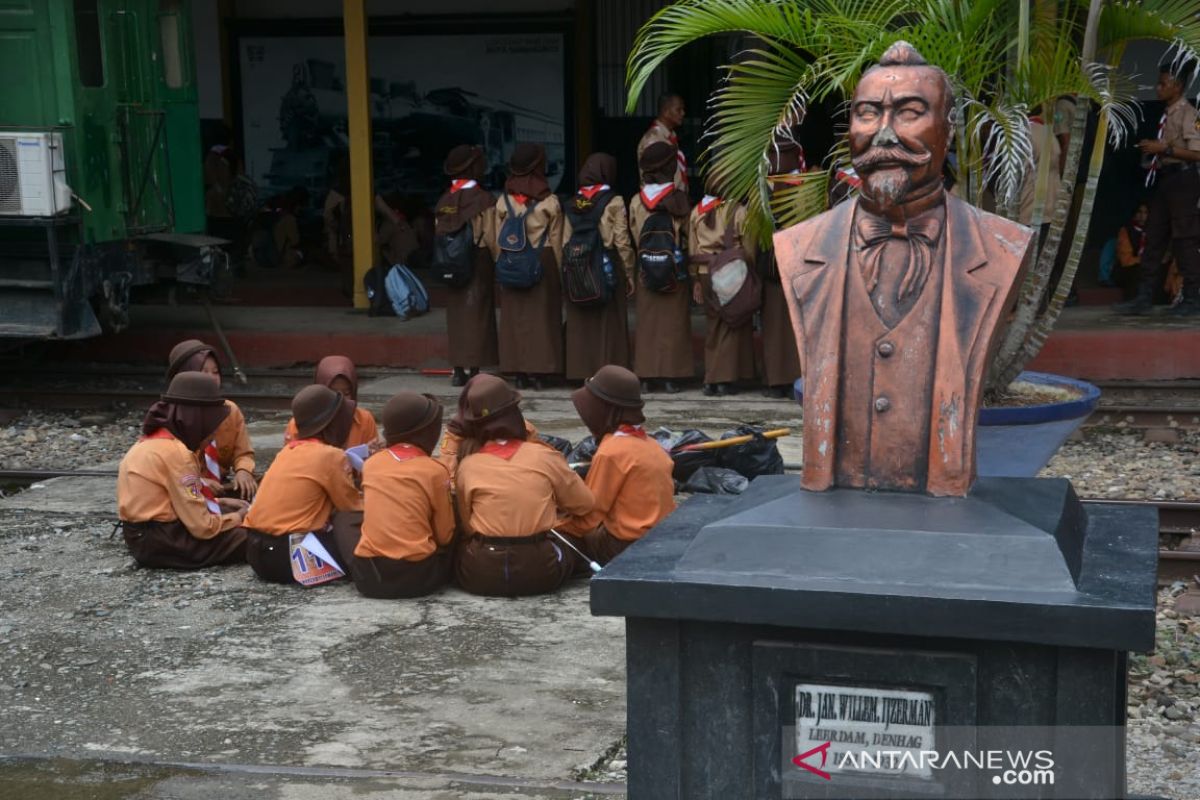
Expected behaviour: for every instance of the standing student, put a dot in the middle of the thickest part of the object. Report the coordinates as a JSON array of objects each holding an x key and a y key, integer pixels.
[
  {"x": 728, "y": 350},
  {"x": 630, "y": 474},
  {"x": 307, "y": 483},
  {"x": 229, "y": 451},
  {"x": 598, "y": 332},
  {"x": 169, "y": 517},
  {"x": 400, "y": 545},
  {"x": 527, "y": 242},
  {"x": 781, "y": 360},
  {"x": 510, "y": 494},
  {"x": 470, "y": 307},
  {"x": 339, "y": 374},
  {"x": 665, "y": 130},
  {"x": 657, "y": 221},
  {"x": 397, "y": 238}
]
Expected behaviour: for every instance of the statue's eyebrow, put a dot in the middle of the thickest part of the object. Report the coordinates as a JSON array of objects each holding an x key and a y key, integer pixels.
[{"x": 910, "y": 100}]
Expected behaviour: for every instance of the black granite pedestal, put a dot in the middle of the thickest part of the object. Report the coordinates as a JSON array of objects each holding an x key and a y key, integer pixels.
[{"x": 759, "y": 624}]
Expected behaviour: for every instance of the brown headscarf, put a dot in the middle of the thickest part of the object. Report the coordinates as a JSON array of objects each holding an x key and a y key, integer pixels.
[
  {"x": 189, "y": 356},
  {"x": 490, "y": 409},
  {"x": 527, "y": 171},
  {"x": 610, "y": 398},
  {"x": 454, "y": 209},
  {"x": 599, "y": 168},
  {"x": 191, "y": 409},
  {"x": 321, "y": 413},
  {"x": 330, "y": 368},
  {"x": 658, "y": 164}
]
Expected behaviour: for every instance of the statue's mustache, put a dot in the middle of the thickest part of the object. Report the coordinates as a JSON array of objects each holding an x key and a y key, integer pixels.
[{"x": 890, "y": 156}]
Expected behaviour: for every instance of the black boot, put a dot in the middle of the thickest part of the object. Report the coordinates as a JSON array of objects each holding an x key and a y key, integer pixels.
[
  {"x": 726, "y": 389},
  {"x": 474, "y": 371},
  {"x": 670, "y": 387},
  {"x": 777, "y": 392},
  {"x": 1187, "y": 308},
  {"x": 709, "y": 390},
  {"x": 645, "y": 387},
  {"x": 1139, "y": 306},
  {"x": 522, "y": 381},
  {"x": 458, "y": 377},
  {"x": 539, "y": 382}
]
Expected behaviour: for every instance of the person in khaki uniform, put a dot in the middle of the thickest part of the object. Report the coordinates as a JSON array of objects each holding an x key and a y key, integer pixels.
[
  {"x": 781, "y": 359},
  {"x": 230, "y": 446},
  {"x": 470, "y": 309},
  {"x": 340, "y": 374},
  {"x": 728, "y": 351},
  {"x": 662, "y": 342},
  {"x": 671, "y": 114},
  {"x": 531, "y": 339},
  {"x": 511, "y": 493},
  {"x": 309, "y": 480},
  {"x": 400, "y": 545},
  {"x": 599, "y": 336},
  {"x": 630, "y": 474},
  {"x": 1174, "y": 221},
  {"x": 169, "y": 518}
]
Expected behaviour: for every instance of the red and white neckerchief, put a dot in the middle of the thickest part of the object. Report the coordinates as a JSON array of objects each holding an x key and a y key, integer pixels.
[
  {"x": 1153, "y": 168},
  {"x": 707, "y": 204},
  {"x": 653, "y": 193},
  {"x": 210, "y": 498},
  {"x": 794, "y": 178},
  {"x": 625, "y": 429},
  {"x": 462, "y": 183},
  {"x": 1141, "y": 234},
  {"x": 679, "y": 156},
  {"x": 502, "y": 448},
  {"x": 848, "y": 176},
  {"x": 294, "y": 443},
  {"x": 523, "y": 199},
  {"x": 405, "y": 452},
  {"x": 212, "y": 461},
  {"x": 589, "y": 192}
]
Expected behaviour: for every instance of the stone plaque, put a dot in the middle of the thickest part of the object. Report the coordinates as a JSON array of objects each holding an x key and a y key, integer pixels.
[{"x": 869, "y": 729}]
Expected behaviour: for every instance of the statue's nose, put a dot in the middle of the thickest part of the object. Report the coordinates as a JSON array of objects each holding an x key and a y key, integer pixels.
[{"x": 885, "y": 138}]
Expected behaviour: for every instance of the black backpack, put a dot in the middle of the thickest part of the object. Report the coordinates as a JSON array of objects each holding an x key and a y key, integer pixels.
[
  {"x": 584, "y": 281},
  {"x": 657, "y": 260},
  {"x": 377, "y": 296},
  {"x": 519, "y": 265},
  {"x": 454, "y": 257}
]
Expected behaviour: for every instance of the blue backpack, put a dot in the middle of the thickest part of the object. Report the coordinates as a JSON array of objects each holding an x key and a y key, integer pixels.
[
  {"x": 406, "y": 293},
  {"x": 519, "y": 265}
]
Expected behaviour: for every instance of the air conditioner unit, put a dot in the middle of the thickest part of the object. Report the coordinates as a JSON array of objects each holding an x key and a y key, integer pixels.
[{"x": 33, "y": 175}]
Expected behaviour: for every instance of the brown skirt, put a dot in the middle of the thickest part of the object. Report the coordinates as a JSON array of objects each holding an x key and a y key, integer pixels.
[
  {"x": 516, "y": 567},
  {"x": 781, "y": 362},
  {"x": 531, "y": 336},
  {"x": 271, "y": 559},
  {"x": 598, "y": 336},
  {"x": 728, "y": 352},
  {"x": 389, "y": 578},
  {"x": 663, "y": 334},
  {"x": 471, "y": 317},
  {"x": 170, "y": 545}
]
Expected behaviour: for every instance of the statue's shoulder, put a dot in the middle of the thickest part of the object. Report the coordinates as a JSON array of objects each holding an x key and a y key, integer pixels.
[
  {"x": 795, "y": 239},
  {"x": 996, "y": 231}
]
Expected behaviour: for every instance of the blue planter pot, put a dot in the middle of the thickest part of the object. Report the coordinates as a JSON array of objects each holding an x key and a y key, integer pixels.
[{"x": 1019, "y": 441}]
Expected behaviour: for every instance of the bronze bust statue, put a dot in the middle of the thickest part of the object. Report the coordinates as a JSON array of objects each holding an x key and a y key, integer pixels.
[{"x": 897, "y": 297}]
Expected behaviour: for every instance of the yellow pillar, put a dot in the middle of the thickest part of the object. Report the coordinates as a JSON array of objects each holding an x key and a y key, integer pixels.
[{"x": 358, "y": 114}]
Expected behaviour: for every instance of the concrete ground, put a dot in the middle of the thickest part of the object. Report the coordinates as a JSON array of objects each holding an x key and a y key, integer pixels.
[{"x": 215, "y": 684}]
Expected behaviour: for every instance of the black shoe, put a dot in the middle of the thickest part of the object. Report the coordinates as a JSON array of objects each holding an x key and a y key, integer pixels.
[
  {"x": 522, "y": 381},
  {"x": 726, "y": 389},
  {"x": 458, "y": 377},
  {"x": 1139, "y": 306},
  {"x": 1188, "y": 308},
  {"x": 778, "y": 392},
  {"x": 645, "y": 387},
  {"x": 539, "y": 384},
  {"x": 474, "y": 371},
  {"x": 670, "y": 387},
  {"x": 709, "y": 389}
]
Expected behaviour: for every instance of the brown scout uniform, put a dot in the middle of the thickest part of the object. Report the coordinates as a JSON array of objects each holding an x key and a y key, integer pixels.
[
  {"x": 471, "y": 310},
  {"x": 728, "y": 352},
  {"x": 531, "y": 337},
  {"x": 599, "y": 336},
  {"x": 663, "y": 325},
  {"x": 1174, "y": 221}
]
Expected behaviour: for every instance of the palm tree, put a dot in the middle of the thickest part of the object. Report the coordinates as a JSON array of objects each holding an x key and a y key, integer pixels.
[{"x": 1008, "y": 60}]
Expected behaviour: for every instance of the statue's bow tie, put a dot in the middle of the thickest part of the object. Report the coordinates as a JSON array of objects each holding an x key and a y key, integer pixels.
[
  {"x": 921, "y": 233},
  {"x": 873, "y": 230}
]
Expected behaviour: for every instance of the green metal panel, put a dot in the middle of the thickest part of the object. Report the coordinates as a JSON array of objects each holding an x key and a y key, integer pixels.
[{"x": 176, "y": 89}]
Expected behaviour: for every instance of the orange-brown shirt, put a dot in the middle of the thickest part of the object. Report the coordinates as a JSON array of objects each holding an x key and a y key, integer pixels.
[
  {"x": 448, "y": 450},
  {"x": 520, "y": 495},
  {"x": 234, "y": 450},
  {"x": 630, "y": 477},
  {"x": 362, "y": 431},
  {"x": 158, "y": 481},
  {"x": 302, "y": 487},
  {"x": 406, "y": 505}
]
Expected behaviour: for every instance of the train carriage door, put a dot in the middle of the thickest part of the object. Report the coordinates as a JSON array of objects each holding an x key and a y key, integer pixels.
[{"x": 175, "y": 87}]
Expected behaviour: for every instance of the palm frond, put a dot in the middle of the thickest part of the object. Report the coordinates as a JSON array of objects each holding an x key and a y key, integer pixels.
[
  {"x": 1117, "y": 97},
  {"x": 1002, "y": 128},
  {"x": 1173, "y": 21},
  {"x": 808, "y": 198}
]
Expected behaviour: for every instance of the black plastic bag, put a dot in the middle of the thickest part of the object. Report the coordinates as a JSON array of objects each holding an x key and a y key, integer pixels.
[
  {"x": 758, "y": 457},
  {"x": 686, "y": 462},
  {"x": 716, "y": 480},
  {"x": 580, "y": 456},
  {"x": 557, "y": 442}
]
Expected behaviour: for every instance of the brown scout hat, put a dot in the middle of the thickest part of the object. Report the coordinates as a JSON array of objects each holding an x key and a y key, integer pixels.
[
  {"x": 183, "y": 352},
  {"x": 313, "y": 408},
  {"x": 657, "y": 156},
  {"x": 617, "y": 386},
  {"x": 460, "y": 159},
  {"x": 194, "y": 389},
  {"x": 526, "y": 158},
  {"x": 408, "y": 414},
  {"x": 488, "y": 395}
]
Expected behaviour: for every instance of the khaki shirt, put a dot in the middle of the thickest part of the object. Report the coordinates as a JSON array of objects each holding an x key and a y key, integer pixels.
[
  {"x": 158, "y": 481},
  {"x": 1180, "y": 130},
  {"x": 706, "y": 241},
  {"x": 614, "y": 231},
  {"x": 546, "y": 214},
  {"x": 661, "y": 133}
]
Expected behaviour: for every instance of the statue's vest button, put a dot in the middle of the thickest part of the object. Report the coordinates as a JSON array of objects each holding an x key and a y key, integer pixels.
[
  {"x": 886, "y": 349},
  {"x": 882, "y": 404}
]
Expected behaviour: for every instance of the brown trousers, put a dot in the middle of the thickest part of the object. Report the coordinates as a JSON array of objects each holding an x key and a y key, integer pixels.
[
  {"x": 601, "y": 546},
  {"x": 512, "y": 567},
  {"x": 389, "y": 578},
  {"x": 170, "y": 545},
  {"x": 271, "y": 559}
]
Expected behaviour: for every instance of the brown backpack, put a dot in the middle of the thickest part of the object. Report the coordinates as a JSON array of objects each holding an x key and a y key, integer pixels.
[{"x": 736, "y": 288}]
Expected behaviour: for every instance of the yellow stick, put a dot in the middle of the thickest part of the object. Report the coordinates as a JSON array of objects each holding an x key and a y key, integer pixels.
[
  {"x": 736, "y": 440},
  {"x": 358, "y": 115}
]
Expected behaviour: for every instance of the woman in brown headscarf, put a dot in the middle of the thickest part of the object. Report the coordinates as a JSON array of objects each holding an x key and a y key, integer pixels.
[
  {"x": 600, "y": 335},
  {"x": 781, "y": 360},
  {"x": 531, "y": 337},
  {"x": 309, "y": 480},
  {"x": 456, "y": 431},
  {"x": 510, "y": 493},
  {"x": 470, "y": 309},
  {"x": 229, "y": 450},
  {"x": 169, "y": 517},
  {"x": 339, "y": 374},
  {"x": 663, "y": 327},
  {"x": 728, "y": 351}
]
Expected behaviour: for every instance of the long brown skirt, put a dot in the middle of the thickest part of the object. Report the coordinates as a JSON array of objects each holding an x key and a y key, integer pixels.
[
  {"x": 389, "y": 578},
  {"x": 503, "y": 567},
  {"x": 531, "y": 336},
  {"x": 170, "y": 545},
  {"x": 728, "y": 352},
  {"x": 663, "y": 334},
  {"x": 471, "y": 317},
  {"x": 597, "y": 336},
  {"x": 781, "y": 362}
]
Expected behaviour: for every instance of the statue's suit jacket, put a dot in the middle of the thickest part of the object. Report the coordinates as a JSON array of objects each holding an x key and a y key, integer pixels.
[{"x": 985, "y": 259}]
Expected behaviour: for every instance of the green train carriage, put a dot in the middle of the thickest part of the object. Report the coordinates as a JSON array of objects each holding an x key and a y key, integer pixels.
[{"x": 101, "y": 181}]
